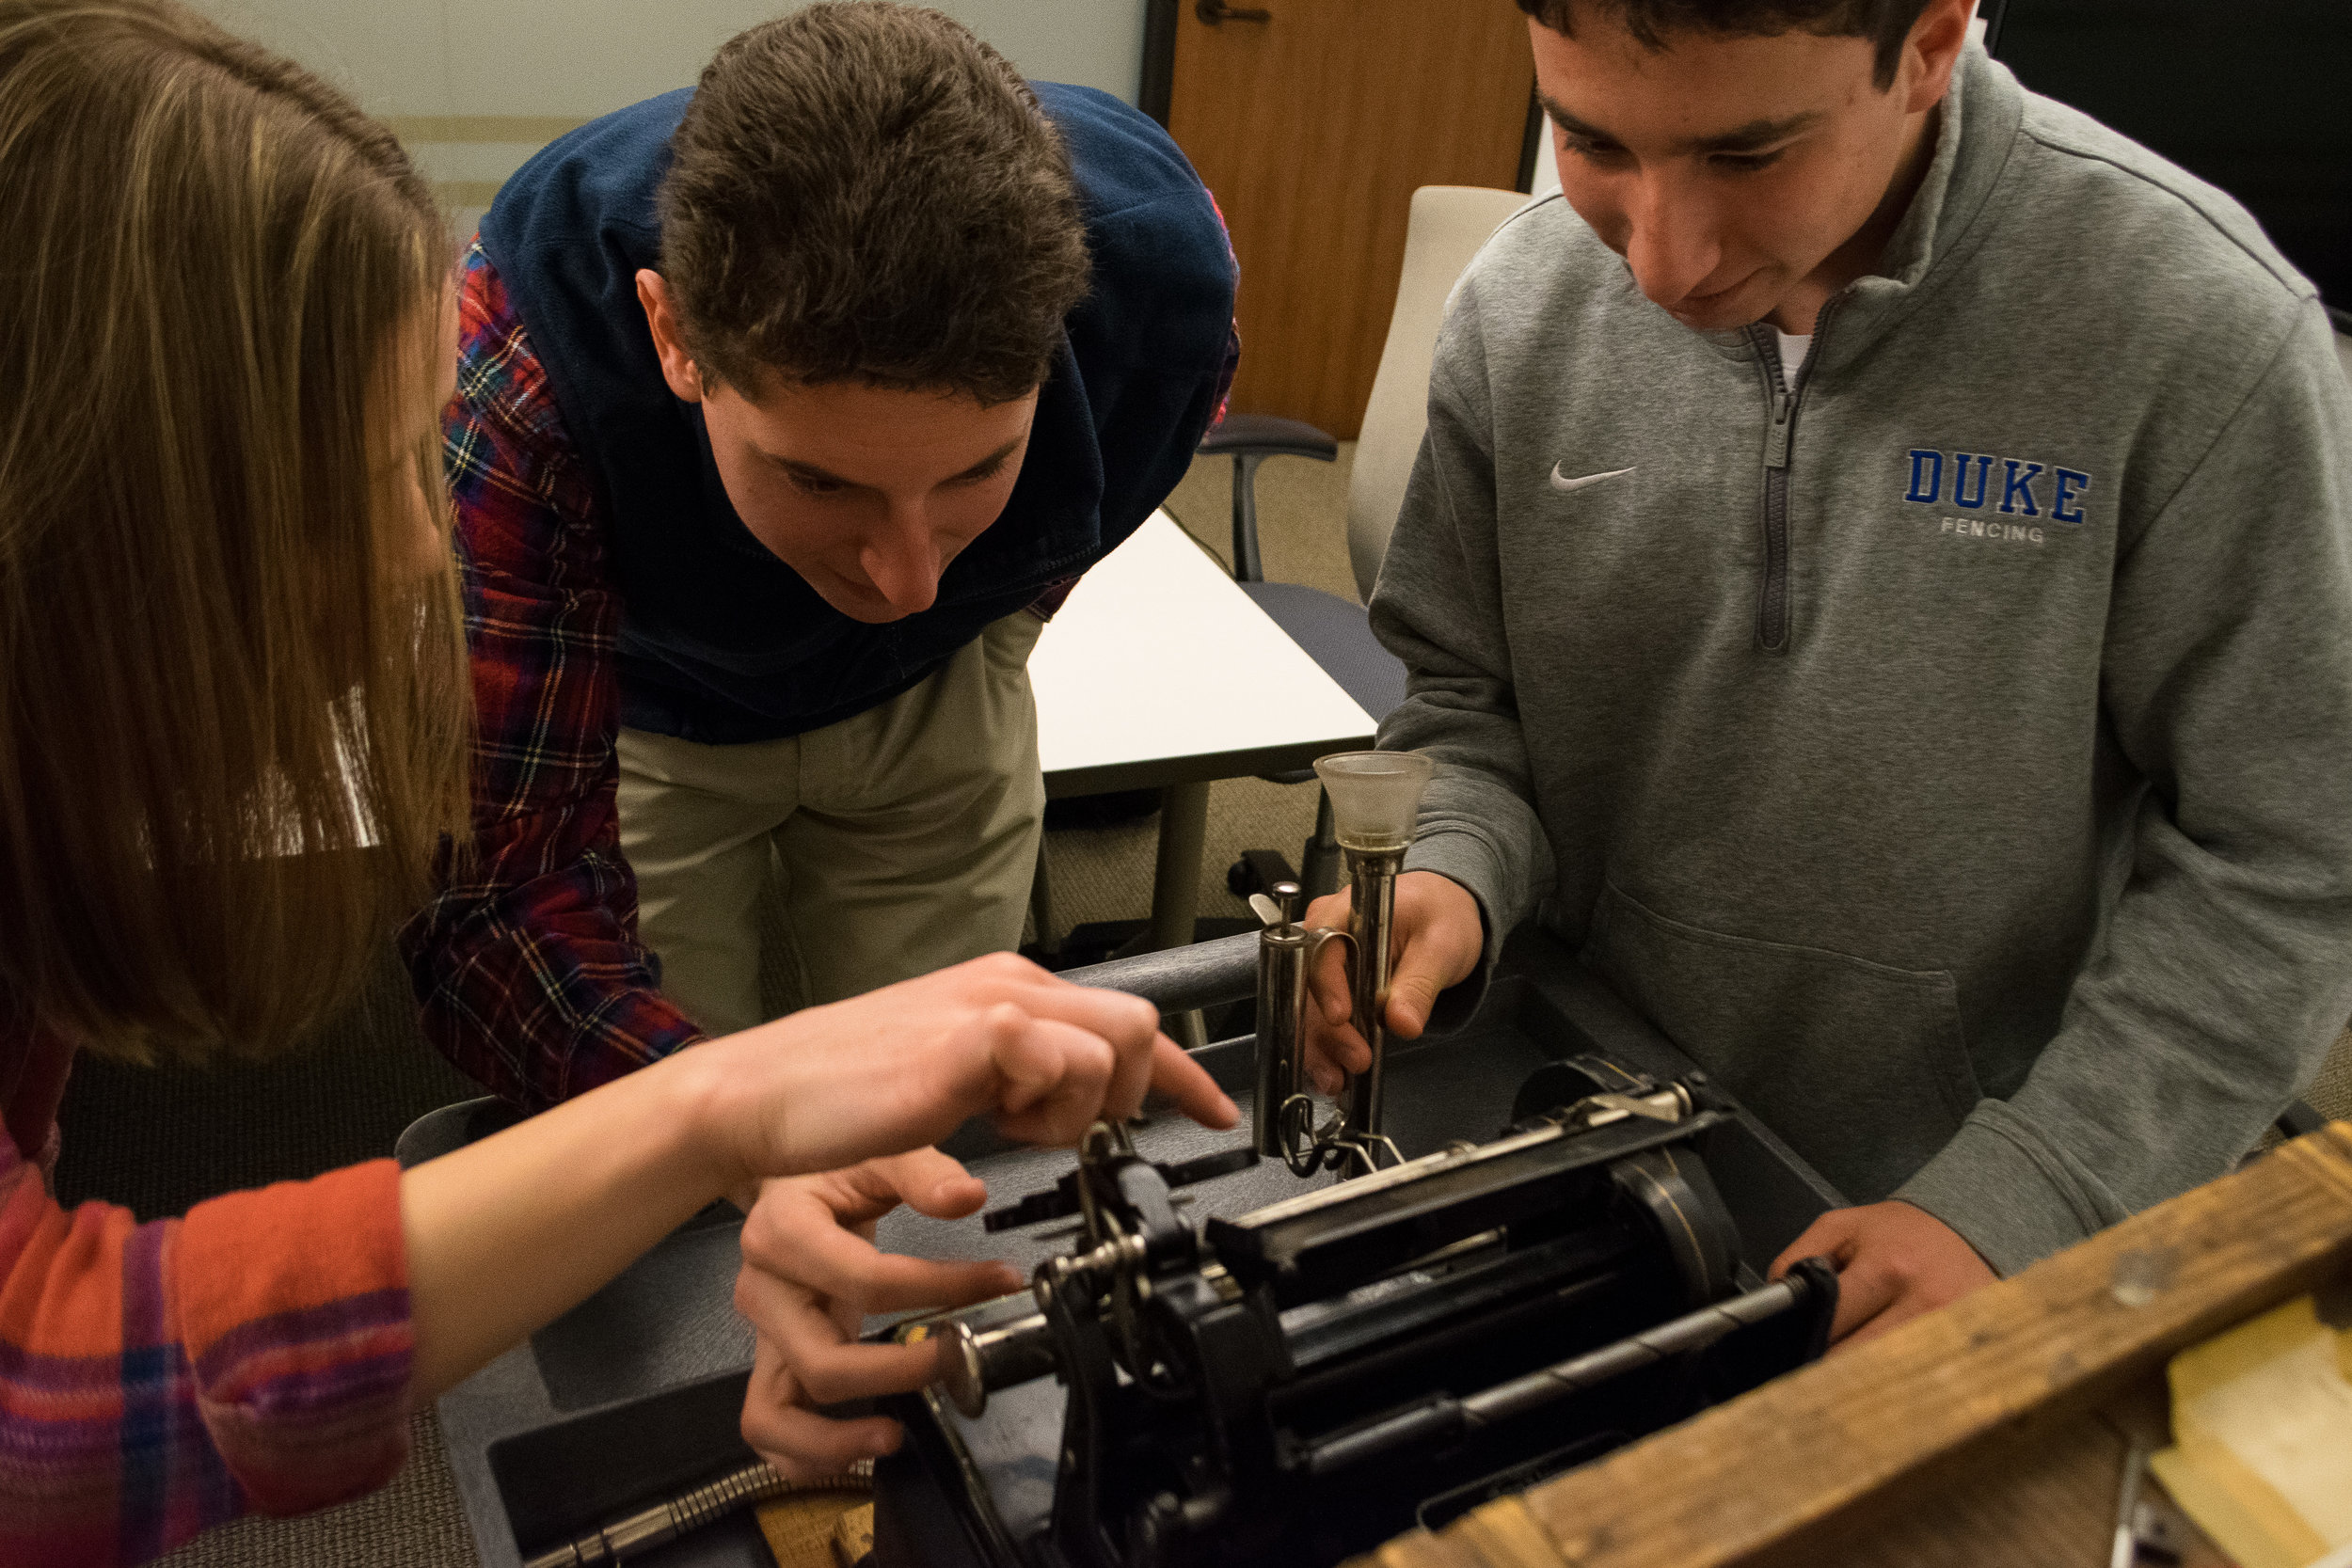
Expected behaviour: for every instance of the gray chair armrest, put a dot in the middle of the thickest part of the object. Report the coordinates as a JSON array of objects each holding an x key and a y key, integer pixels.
[
  {"x": 1264, "y": 436},
  {"x": 1249, "y": 439}
]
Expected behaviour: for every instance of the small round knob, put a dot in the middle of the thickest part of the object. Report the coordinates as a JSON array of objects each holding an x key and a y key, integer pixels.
[{"x": 959, "y": 1370}]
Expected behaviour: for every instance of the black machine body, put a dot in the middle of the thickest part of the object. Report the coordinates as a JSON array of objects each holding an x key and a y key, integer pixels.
[{"x": 1299, "y": 1383}]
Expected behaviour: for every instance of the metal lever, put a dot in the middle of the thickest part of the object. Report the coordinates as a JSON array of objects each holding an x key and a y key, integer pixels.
[
  {"x": 1214, "y": 11},
  {"x": 1062, "y": 1199}
]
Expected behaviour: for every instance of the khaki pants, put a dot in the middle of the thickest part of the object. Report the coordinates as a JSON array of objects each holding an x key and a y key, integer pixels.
[{"x": 907, "y": 835}]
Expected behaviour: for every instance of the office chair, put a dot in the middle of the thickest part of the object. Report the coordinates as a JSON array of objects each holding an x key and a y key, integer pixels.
[{"x": 1447, "y": 227}]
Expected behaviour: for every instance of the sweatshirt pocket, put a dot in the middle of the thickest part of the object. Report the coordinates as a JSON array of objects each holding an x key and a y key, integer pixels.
[{"x": 1861, "y": 1067}]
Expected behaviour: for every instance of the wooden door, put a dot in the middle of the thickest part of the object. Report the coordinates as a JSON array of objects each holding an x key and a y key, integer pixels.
[{"x": 1313, "y": 127}]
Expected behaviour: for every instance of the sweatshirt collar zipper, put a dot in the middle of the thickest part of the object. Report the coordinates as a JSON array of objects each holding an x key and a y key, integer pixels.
[{"x": 1771, "y": 615}]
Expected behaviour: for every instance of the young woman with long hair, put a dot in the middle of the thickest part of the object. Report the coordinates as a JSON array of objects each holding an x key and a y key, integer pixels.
[{"x": 232, "y": 739}]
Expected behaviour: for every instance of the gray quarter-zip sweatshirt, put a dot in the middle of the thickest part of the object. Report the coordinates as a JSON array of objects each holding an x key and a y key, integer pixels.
[{"x": 1952, "y": 752}]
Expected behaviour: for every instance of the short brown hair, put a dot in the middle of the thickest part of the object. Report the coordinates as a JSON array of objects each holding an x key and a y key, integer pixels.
[
  {"x": 868, "y": 192},
  {"x": 232, "y": 714},
  {"x": 1886, "y": 23}
]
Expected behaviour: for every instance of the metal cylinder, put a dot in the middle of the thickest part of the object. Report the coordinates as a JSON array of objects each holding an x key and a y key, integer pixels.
[
  {"x": 1372, "y": 883},
  {"x": 1442, "y": 1418},
  {"x": 1679, "y": 1335},
  {"x": 1282, "y": 950}
]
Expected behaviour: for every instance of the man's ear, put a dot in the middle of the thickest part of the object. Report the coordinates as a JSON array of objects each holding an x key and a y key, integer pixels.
[
  {"x": 678, "y": 366},
  {"x": 1932, "y": 50}
]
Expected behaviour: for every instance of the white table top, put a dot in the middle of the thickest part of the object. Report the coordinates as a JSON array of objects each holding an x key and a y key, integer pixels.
[{"x": 1160, "y": 671}]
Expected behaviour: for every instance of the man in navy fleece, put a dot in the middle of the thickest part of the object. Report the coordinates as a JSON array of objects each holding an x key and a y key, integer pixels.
[{"x": 789, "y": 406}]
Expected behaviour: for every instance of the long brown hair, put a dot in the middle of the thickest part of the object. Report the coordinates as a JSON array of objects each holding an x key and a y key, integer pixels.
[{"x": 232, "y": 713}]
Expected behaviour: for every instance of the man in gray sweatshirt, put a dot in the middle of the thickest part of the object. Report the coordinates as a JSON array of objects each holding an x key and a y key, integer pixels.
[{"x": 1878, "y": 582}]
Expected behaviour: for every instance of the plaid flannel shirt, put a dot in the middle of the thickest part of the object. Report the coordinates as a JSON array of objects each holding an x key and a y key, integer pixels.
[{"x": 528, "y": 963}]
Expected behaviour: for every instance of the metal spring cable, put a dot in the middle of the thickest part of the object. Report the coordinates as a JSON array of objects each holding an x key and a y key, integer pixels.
[{"x": 640, "y": 1531}]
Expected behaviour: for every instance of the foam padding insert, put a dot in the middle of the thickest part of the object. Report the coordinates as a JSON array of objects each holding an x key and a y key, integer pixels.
[{"x": 800, "y": 1525}]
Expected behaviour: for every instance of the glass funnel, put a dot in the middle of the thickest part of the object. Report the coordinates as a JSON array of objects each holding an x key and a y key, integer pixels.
[{"x": 1374, "y": 796}]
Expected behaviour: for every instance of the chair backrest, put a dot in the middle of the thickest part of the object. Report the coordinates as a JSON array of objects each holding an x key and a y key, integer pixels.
[{"x": 1448, "y": 225}]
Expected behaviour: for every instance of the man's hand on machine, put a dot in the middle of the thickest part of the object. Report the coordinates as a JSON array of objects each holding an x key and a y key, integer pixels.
[
  {"x": 1894, "y": 1261},
  {"x": 1438, "y": 938}
]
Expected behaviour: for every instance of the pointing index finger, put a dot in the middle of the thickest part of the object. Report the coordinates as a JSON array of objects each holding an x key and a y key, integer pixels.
[
  {"x": 1119, "y": 1017},
  {"x": 1189, "y": 1086}
]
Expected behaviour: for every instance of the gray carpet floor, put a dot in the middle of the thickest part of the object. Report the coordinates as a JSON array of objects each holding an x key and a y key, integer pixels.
[{"x": 160, "y": 1141}]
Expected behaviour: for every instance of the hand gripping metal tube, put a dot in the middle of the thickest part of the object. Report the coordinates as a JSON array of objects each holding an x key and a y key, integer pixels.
[
  {"x": 1375, "y": 798},
  {"x": 1376, "y": 806}
]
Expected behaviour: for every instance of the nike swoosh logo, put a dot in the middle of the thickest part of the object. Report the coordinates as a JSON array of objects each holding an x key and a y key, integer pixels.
[{"x": 1562, "y": 482}]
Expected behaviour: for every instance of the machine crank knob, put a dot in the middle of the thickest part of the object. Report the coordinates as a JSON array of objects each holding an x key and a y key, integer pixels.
[
  {"x": 959, "y": 1370},
  {"x": 972, "y": 1364}
]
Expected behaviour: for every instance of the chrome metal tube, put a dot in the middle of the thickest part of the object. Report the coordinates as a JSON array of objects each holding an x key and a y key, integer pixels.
[
  {"x": 1372, "y": 883},
  {"x": 1282, "y": 949}
]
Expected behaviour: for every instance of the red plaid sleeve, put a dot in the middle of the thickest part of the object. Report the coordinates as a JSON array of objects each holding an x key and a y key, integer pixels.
[{"x": 528, "y": 963}]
